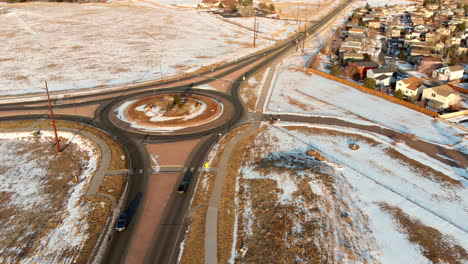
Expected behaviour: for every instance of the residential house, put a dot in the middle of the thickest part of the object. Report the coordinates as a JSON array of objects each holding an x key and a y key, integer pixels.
[
  {"x": 411, "y": 87},
  {"x": 440, "y": 97},
  {"x": 363, "y": 66},
  {"x": 439, "y": 47},
  {"x": 352, "y": 45},
  {"x": 384, "y": 80},
  {"x": 429, "y": 64},
  {"x": 352, "y": 56},
  {"x": 382, "y": 76},
  {"x": 430, "y": 37},
  {"x": 217, "y": 3},
  {"x": 418, "y": 51},
  {"x": 443, "y": 31},
  {"x": 449, "y": 73},
  {"x": 418, "y": 21},
  {"x": 374, "y": 23},
  {"x": 462, "y": 50},
  {"x": 454, "y": 41},
  {"x": 395, "y": 32},
  {"x": 420, "y": 28},
  {"x": 358, "y": 31}
]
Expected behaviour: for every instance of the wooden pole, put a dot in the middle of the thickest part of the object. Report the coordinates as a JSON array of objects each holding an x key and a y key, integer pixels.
[
  {"x": 52, "y": 117},
  {"x": 255, "y": 29}
]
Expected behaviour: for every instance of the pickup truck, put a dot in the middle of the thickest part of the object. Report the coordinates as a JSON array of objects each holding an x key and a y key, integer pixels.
[{"x": 126, "y": 216}]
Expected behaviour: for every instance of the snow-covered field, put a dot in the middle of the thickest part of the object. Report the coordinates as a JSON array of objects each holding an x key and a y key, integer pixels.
[
  {"x": 44, "y": 217},
  {"x": 382, "y": 203},
  {"x": 268, "y": 28},
  {"x": 85, "y": 45},
  {"x": 310, "y": 94}
]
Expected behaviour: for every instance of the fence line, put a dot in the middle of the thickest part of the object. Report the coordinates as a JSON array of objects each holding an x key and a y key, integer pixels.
[{"x": 375, "y": 93}]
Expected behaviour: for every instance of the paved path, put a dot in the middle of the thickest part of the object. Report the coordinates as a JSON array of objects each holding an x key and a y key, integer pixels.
[{"x": 211, "y": 224}]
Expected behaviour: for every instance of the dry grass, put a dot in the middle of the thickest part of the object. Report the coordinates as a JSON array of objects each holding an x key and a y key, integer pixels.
[
  {"x": 422, "y": 169},
  {"x": 98, "y": 207},
  {"x": 438, "y": 248},
  {"x": 194, "y": 252},
  {"x": 226, "y": 211},
  {"x": 301, "y": 105},
  {"x": 16, "y": 124},
  {"x": 96, "y": 217},
  {"x": 56, "y": 183},
  {"x": 249, "y": 90},
  {"x": 113, "y": 185},
  {"x": 116, "y": 150},
  {"x": 327, "y": 132},
  {"x": 419, "y": 168}
]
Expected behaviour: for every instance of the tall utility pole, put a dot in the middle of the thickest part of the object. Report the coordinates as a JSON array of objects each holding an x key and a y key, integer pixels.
[
  {"x": 52, "y": 117},
  {"x": 255, "y": 29}
]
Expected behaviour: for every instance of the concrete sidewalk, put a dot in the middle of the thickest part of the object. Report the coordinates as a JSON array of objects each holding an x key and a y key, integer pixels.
[{"x": 211, "y": 224}]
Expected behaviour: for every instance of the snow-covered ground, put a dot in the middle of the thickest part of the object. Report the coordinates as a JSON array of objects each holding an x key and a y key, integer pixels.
[
  {"x": 319, "y": 96},
  {"x": 294, "y": 90},
  {"x": 268, "y": 28},
  {"x": 351, "y": 190},
  {"x": 86, "y": 45},
  {"x": 44, "y": 200}
]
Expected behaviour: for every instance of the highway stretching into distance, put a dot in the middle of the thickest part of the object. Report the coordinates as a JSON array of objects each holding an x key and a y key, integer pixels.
[{"x": 165, "y": 246}]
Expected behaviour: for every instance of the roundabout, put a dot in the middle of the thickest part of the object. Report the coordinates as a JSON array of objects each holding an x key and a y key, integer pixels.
[{"x": 172, "y": 112}]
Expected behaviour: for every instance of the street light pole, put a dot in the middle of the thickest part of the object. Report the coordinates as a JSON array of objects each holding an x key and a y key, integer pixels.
[{"x": 52, "y": 117}]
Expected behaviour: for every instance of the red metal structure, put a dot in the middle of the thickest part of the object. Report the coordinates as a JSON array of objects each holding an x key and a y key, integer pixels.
[{"x": 52, "y": 117}]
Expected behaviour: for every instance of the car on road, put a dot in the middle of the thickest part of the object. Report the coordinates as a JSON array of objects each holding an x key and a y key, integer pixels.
[
  {"x": 185, "y": 182},
  {"x": 126, "y": 216},
  {"x": 122, "y": 222}
]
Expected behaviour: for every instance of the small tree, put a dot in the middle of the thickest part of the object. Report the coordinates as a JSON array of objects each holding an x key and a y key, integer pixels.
[
  {"x": 367, "y": 5},
  {"x": 402, "y": 55},
  {"x": 369, "y": 83},
  {"x": 367, "y": 57},
  {"x": 398, "y": 94},
  {"x": 461, "y": 27},
  {"x": 221, "y": 5},
  {"x": 335, "y": 70},
  {"x": 177, "y": 100},
  {"x": 271, "y": 7},
  {"x": 357, "y": 75},
  {"x": 262, "y": 5}
]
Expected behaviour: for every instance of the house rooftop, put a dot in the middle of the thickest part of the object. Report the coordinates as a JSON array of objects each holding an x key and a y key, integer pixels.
[
  {"x": 443, "y": 90},
  {"x": 412, "y": 82},
  {"x": 383, "y": 70},
  {"x": 365, "y": 64},
  {"x": 456, "y": 68},
  {"x": 382, "y": 77}
]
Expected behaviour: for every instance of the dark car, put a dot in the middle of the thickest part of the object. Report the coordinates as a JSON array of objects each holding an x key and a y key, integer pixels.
[
  {"x": 122, "y": 222},
  {"x": 185, "y": 182},
  {"x": 182, "y": 187}
]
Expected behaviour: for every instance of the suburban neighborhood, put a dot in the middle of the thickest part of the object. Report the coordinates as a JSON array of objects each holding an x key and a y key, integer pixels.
[{"x": 415, "y": 52}]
